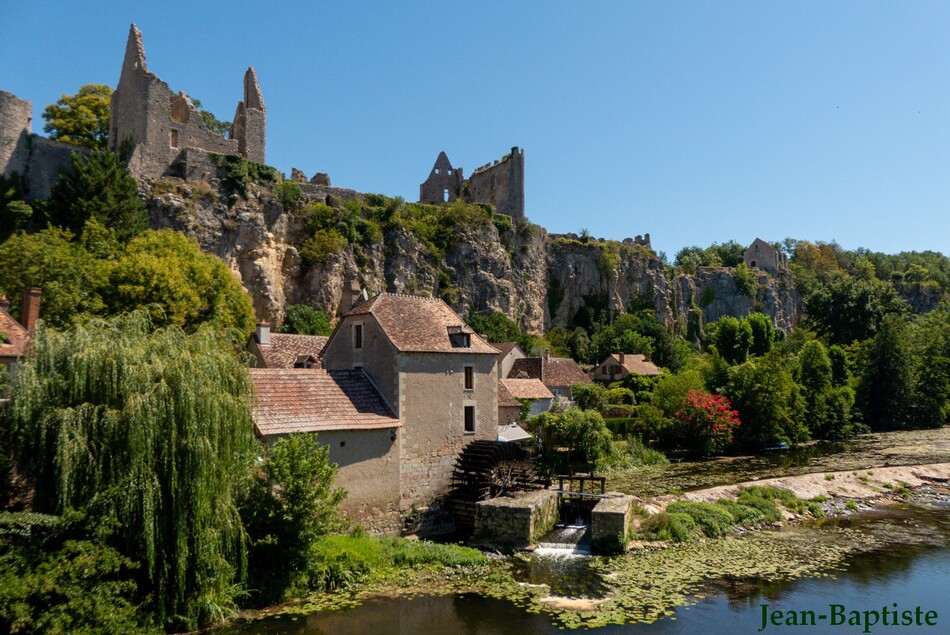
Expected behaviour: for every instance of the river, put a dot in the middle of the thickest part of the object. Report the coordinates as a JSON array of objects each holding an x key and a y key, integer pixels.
[{"x": 908, "y": 564}]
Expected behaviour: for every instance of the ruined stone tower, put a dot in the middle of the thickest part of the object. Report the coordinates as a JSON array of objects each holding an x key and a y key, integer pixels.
[
  {"x": 444, "y": 184},
  {"x": 157, "y": 128},
  {"x": 16, "y": 116},
  {"x": 500, "y": 184}
]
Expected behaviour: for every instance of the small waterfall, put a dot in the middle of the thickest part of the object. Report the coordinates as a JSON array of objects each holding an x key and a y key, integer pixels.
[{"x": 565, "y": 540}]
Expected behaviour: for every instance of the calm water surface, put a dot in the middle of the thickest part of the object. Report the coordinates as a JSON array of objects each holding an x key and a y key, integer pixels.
[{"x": 912, "y": 569}]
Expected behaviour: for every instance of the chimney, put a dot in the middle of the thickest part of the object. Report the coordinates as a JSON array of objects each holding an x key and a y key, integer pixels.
[
  {"x": 621, "y": 359},
  {"x": 263, "y": 334},
  {"x": 350, "y": 296},
  {"x": 31, "y": 308},
  {"x": 4, "y": 304}
]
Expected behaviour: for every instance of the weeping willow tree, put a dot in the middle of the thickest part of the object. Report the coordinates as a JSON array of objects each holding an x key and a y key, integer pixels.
[{"x": 150, "y": 427}]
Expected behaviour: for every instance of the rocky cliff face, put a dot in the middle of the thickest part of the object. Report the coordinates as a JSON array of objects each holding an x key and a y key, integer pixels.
[{"x": 538, "y": 280}]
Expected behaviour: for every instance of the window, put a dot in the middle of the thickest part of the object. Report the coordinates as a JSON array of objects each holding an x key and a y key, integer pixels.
[
  {"x": 617, "y": 370},
  {"x": 469, "y": 378},
  {"x": 437, "y": 170},
  {"x": 603, "y": 370},
  {"x": 174, "y": 140},
  {"x": 357, "y": 336},
  {"x": 470, "y": 418},
  {"x": 445, "y": 195}
]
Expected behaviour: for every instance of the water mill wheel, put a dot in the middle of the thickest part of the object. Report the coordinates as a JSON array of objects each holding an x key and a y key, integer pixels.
[{"x": 486, "y": 469}]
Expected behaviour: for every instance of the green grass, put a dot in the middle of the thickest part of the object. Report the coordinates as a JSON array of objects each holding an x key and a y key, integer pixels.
[{"x": 713, "y": 520}]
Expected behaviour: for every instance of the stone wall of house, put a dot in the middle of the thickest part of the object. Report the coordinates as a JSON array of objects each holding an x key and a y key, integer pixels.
[
  {"x": 432, "y": 401},
  {"x": 500, "y": 183},
  {"x": 378, "y": 357},
  {"x": 444, "y": 183},
  {"x": 517, "y": 521}
]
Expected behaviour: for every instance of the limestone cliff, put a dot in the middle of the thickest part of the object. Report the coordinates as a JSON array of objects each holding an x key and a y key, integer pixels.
[{"x": 536, "y": 279}]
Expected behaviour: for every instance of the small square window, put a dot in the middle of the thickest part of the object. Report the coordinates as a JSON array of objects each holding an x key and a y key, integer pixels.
[
  {"x": 470, "y": 418},
  {"x": 469, "y": 378},
  {"x": 357, "y": 336}
]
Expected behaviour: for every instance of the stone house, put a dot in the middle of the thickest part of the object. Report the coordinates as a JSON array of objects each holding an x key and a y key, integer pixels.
[
  {"x": 762, "y": 255},
  {"x": 15, "y": 336},
  {"x": 508, "y": 352},
  {"x": 532, "y": 390},
  {"x": 437, "y": 377},
  {"x": 558, "y": 374},
  {"x": 619, "y": 365},
  {"x": 509, "y": 408},
  {"x": 285, "y": 350},
  {"x": 351, "y": 418}
]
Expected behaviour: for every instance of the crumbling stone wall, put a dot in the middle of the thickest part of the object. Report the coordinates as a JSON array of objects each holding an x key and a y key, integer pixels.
[
  {"x": 154, "y": 125},
  {"x": 444, "y": 184},
  {"x": 501, "y": 184},
  {"x": 37, "y": 161}
]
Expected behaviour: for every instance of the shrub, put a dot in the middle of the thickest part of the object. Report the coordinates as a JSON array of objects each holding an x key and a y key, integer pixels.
[
  {"x": 321, "y": 246},
  {"x": 743, "y": 514},
  {"x": 288, "y": 193},
  {"x": 677, "y": 527},
  {"x": 621, "y": 396},
  {"x": 713, "y": 520},
  {"x": 708, "y": 422},
  {"x": 617, "y": 411}
]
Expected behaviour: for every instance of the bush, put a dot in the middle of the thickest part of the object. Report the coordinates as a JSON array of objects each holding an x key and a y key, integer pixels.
[
  {"x": 743, "y": 514},
  {"x": 617, "y": 411},
  {"x": 621, "y": 396},
  {"x": 713, "y": 520},
  {"x": 677, "y": 527},
  {"x": 321, "y": 246},
  {"x": 288, "y": 193},
  {"x": 305, "y": 320}
]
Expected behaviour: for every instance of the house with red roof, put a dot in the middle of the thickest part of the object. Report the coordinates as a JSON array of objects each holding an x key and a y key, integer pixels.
[
  {"x": 14, "y": 335},
  {"x": 558, "y": 374},
  {"x": 617, "y": 366}
]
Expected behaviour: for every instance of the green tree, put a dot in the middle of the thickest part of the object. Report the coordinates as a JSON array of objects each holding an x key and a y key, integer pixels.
[
  {"x": 827, "y": 405},
  {"x": 931, "y": 403},
  {"x": 764, "y": 393},
  {"x": 148, "y": 427},
  {"x": 97, "y": 186},
  {"x": 763, "y": 333},
  {"x": 590, "y": 396},
  {"x": 167, "y": 272},
  {"x": 305, "y": 320},
  {"x": 840, "y": 366},
  {"x": 81, "y": 119},
  {"x": 733, "y": 339},
  {"x": 847, "y": 309},
  {"x": 582, "y": 433},
  {"x": 886, "y": 383},
  {"x": 70, "y": 277},
  {"x": 288, "y": 504},
  {"x": 15, "y": 213}
]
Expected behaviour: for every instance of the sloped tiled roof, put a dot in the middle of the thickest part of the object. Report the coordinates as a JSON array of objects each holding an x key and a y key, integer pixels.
[
  {"x": 636, "y": 364},
  {"x": 14, "y": 344},
  {"x": 563, "y": 371},
  {"x": 298, "y": 400},
  {"x": 553, "y": 371},
  {"x": 505, "y": 347},
  {"x": 285, "y": 348},
  {"x": 417, "y": 324},
  {"x": 527, "y": 389},
  {"x": 526, "y": 368},
  {"x": 505, "y": 398}
]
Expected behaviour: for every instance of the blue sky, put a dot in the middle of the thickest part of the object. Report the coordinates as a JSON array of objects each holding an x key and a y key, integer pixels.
[{"x": 697, "y": 122}]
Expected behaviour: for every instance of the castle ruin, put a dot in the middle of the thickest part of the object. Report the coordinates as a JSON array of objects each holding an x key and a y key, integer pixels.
[
  {"x": 155, "y": 128},
  {"x": 500, "y": 184}
]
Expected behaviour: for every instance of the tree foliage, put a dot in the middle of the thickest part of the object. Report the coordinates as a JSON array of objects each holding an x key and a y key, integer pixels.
[
  {"x": 96, "y": 186},
  {"x": 886, "y": 383},
  {"x": 305, "y": 320},
  {"x": 81, "y": 119},
  {"x": 147, "y": 427},
  {"x": 707, "y": 423},
  {"x": 288, "y": 504}
]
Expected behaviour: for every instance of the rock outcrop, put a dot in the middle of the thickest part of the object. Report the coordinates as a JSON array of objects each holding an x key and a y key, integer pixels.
[{"x": 535, "y": 279}]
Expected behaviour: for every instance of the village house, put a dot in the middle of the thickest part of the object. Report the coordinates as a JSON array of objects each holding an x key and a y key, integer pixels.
[
  {"x": 617, "y": 366},
  {"x": 14, "y": 336},
  {"x": 408, "y": 385},
  {"x": 558, "y": 374},
  {"x": 508, "y": 352},
  {"x": 285, "y": 350},
  {"x": 532, "y": 390}
]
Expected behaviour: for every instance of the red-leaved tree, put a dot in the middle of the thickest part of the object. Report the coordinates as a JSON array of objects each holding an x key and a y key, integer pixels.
[{"x": 707, "y": 422}]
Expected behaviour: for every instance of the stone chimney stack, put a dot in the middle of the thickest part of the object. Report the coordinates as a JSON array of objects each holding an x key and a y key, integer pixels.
[
  {"x": 263, "y": 334},
  {"x": 351, "y": 295},
  {"x": 31, "y": 308},
  {"x": 621, "y": 359},
  {"x": 4, "y": 304}
]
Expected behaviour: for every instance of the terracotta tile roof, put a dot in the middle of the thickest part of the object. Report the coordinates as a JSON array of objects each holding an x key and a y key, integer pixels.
[
  {"x": 526, "y": 368},
  {"x": 285, "y": 348},
  {"x": 298, "y": 400},
  {"x": 505, "y": 398},
  {"x": 553, "y": 371},
  {"x": 563, "y": 371},
  {"x": 14, "y": 344},
  {"x": 527, "y": 389},
  {"x": 638, "y": 364},
  {"x": 417, "y": 324}
]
